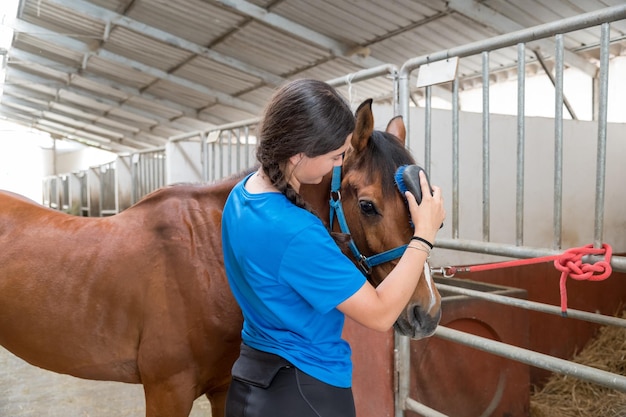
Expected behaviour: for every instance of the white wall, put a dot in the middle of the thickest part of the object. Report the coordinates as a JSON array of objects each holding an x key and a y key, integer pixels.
[
  {"x": 81, "y": 159},
  {"x": 27, "y": 156},
  {"x": 21, "y": 163},
  {"x": 579, "y": 178}
]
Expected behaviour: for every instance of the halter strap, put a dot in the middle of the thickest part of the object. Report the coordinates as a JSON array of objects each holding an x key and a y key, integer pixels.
[{"x": 366, "y": 263}]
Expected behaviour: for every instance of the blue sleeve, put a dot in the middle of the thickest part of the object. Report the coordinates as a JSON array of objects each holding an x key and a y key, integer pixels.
[{"x": 314, "y": 266}]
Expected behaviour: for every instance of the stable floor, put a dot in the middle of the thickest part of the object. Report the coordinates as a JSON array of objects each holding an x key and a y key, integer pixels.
[{"x": 28, "y": 391}]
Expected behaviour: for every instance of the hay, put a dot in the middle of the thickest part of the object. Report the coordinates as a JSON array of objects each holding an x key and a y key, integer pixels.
[{"x": 565, "y": 396}]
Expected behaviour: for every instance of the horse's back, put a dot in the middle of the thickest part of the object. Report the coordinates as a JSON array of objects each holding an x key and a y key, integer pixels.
[{"x": 97, "y": 291}]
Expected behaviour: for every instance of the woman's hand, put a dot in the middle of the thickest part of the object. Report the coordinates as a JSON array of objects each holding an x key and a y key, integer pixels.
[{"x": 430, "y": 214}]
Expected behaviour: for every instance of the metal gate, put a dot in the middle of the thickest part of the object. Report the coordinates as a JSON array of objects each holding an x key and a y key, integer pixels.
[
  {"x": 147, "y": 172},
  {"x": 484, "y": 50}
]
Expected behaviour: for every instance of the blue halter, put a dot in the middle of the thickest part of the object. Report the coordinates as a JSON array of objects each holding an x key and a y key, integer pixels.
[{"x": 366, "y": 263}]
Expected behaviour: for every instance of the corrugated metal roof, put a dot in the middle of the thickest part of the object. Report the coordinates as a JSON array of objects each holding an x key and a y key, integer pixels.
[{"x": 128, "y": 74}]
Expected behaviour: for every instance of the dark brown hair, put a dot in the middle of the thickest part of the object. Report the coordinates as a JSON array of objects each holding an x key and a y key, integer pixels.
[{"x": 304, "y": 116}]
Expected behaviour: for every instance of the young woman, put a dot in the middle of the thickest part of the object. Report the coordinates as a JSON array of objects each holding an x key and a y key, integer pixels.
[{"x": 293, "y": 361}]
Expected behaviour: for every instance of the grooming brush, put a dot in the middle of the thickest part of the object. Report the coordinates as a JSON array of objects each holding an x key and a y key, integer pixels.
[{"x": 407, "y": 179}]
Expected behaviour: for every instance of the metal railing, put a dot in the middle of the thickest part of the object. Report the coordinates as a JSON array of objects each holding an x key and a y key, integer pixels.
[
  {"x": 600, "y": 18},
  {"x": 108, "y": 196},
  {"x": 147, "y": 172}
]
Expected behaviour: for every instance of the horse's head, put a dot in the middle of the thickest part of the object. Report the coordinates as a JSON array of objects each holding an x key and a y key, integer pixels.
[{"x": 377, "y": 215}]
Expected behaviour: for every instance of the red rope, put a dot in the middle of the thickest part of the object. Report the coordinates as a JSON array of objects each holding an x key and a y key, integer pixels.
[{"x": 569, "y": 263}]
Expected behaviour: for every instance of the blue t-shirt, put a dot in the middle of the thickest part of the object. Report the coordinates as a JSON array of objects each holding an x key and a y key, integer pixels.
[{"x": 288, "y": 276}]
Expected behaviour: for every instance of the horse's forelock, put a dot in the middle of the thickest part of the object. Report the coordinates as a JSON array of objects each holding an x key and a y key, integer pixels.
[{"x": 383, "y": 156}]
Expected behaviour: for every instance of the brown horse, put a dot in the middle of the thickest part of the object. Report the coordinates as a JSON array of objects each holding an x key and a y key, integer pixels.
[{"x": 141, "y": 297}]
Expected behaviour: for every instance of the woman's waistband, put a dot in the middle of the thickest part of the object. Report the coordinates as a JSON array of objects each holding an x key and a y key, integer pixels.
[{"x": 257, "y": 367}]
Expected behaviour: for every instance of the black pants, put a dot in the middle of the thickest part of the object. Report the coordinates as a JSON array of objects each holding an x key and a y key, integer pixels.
[{"x": 265, "y": 385}]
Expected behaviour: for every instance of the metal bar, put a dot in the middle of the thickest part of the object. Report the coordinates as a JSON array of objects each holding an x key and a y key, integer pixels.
[
  {"x": 230, "y": 152},
  {"x": 158, "y": 149},
  {"x": 423, "y": 410},
  {"x": 138, "y": 178},
  {"x": 521, "y": 142},
  {"x": 455, "y": 159},
  {"x": 101, "y": 199},
  {"x": 148, "y": 163},
  {"x": 220, "y": 148},
  {"x": 145, "y": 175},
  {"x": 203, "y": 157},
  {"x": 486, "y": 164},
  {"x": 618, "y": 263},
  {"x": 428, "y": 123},
  {"x": 213, "y": 158},
  {"x": 396, "y": 92},
  {"x": 238, "y": 164},
  {"x": 163, "y": 169},
  {"x": 542, "y": 61},
  {"x": 246, "y": 145},
  {"x": 558, "y": 144},
  {"x": 155, "y": 162},
  {"x": 158, "y": 162},
  {"x": 133, "y": 181},
  {"x": 602, "y": 122},
  {"x": 151, "y": 165},
  {"x": 535, "y": 306},
  {"x": 216, "y": 158},
  {"x": 535, "y": 359},
  {"x": 402, "y": 355},
  {"x": 364, "y": 75}
]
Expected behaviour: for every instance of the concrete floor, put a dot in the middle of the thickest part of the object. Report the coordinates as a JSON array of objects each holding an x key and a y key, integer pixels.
[{"x": 28, "y": 391}]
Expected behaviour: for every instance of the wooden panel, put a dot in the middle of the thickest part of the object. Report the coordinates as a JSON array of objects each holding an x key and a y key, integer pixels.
[{"x": 372, "y": 381}]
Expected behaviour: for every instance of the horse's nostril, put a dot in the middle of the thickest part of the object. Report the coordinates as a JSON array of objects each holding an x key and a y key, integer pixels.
[{"x": 418, "y": 316}]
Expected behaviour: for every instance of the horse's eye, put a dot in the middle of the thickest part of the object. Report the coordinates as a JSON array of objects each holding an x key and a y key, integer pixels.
[{"x": 368, "y": 208}]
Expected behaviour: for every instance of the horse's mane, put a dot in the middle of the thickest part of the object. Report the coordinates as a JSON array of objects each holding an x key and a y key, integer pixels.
[{"x": 384, "y": 155}]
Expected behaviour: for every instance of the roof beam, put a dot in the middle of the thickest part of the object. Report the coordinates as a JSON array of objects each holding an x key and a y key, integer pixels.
[
  {"x": 278, "y": 22},
  {"x": 54, "y": 102},
  {"x": 502, "y": 24},
  {"x": 72, "y": 134},
  {"x": 220, "y": 97},
  {"x": 68, "y": 75},
  {"x": 27, "y": 59},
  {"x": 112, "y": 18},
  {"x": 87, "y": 122},
  {"x": 30, "y": 81},
  {"x": 83, "y": 48}
]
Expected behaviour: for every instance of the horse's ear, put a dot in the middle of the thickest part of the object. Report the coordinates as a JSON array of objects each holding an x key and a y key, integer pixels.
[
  {"x": 396, "y": 127},
  {"x": 364, "y": 125}
]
